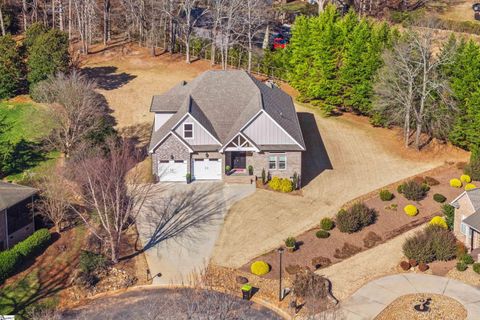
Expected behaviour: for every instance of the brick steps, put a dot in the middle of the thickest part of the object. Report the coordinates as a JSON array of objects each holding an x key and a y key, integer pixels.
[{"x": 239, "y": 179}]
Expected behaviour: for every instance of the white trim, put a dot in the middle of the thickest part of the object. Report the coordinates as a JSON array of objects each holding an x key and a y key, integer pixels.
[
  {"x": 176, "y": 136},
  {"x": 209, "y": 133},
  {"x": 224, "y": 148},
  {"x": 462, "y": 225},
  {"x": 285, "y": 131},
  {"x": 188, "y": 138},
  {"x": 277, "y": 160},
  {"x": 232, "y": 149},
  {"x": 278, "y": 157}
]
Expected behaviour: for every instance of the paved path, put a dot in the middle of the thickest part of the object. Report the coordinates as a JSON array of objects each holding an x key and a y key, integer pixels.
[
  {"x": 375, "y": 296},
  {"x": 180, "y": 224}
]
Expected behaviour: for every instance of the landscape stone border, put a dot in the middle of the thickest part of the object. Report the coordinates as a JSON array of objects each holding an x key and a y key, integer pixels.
[{"x": 375, "y": 296}]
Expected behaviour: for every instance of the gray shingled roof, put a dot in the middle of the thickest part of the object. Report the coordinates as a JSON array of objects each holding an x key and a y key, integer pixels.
[
  {"x": 473, "y": 220},
  {"x": 223, "y": 102},
  {"x": 11, "y": 194},
  {"x": 474, "y": 196}
]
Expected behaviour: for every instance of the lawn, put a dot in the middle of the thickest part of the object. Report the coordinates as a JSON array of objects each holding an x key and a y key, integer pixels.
[{"x": 27, "y": 123}]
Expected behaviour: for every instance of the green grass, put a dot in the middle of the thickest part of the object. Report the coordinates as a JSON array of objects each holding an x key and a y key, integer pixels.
[{"x": 15, "y": 297}]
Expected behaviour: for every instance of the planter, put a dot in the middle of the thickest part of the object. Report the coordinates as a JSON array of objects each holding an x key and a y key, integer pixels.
[
  {"x": 291, "y": 249},
  {"x": 189, "y": 178},
  {"x": 246, "y": 292}
]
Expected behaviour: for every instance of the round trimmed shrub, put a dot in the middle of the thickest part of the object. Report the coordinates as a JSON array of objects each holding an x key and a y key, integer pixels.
[
  {"x": 438, "y": 221},
  {"x": 386, "y": 195},
  {"x": 327, "y": 224},
  {"x": 290, "y": 242},
  {"x": 465, "y": 178},
  {"x": 440, "y": 198},
  {"x": 411, "y": 210},
  {"x": 476, "y": 267},
  {"x": 466, "y": 258},
  {"x": 461, "y": 266},
  {"x": 275, "y": 183},
  {"x": 400, "y": 188},
  {"x": 286, "y": 185},
  {"x": 322, "y": 234},
  {"x": 470, "y": 186},
  {"x": 456, "y": 183},
  {"x": 260, "y": 268}
]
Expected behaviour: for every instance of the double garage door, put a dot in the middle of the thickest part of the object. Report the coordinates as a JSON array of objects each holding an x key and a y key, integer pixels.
[
  {"x": 207, "y": 169},
  {"x": 202, "y": 169}
]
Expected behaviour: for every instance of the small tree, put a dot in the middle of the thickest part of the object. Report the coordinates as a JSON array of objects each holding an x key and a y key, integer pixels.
[
  {"x": 10, "y": 67},
  {"x": 33, "y": 32},
  {"x": 48, "y": 55}
]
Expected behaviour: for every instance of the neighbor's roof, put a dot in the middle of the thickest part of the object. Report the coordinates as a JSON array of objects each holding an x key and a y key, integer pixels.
[
  {"x": 223, "y": 102},
  {"x": 473, "y": 220},
  {"x": 11, "y": 194}
]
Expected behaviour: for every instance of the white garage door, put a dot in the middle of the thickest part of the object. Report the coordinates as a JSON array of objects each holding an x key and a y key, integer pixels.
[
  {"x": 172, "y": 170},
  {"x": 207, "y": 169}
]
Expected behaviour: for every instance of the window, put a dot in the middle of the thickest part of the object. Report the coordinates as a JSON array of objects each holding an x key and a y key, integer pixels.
[
  {"x": 188, "y": 130},
  {"x": 272, "y": 163},
  {"x": 282, "y": 162},
  {"x": 463, "y": 227}
]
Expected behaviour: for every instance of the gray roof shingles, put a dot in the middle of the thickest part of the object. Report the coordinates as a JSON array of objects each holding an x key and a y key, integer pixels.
[
  {"x": 11, "y": 194},
  {"x": 473, "y": 220},
  {"x": 223, "y": 102}
]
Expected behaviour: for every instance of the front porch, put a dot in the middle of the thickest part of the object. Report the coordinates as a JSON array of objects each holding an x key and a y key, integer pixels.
[{"x": 472, "y": 241}]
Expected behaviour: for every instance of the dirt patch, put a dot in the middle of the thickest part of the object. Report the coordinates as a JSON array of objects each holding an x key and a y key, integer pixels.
[
  {"x": 440, "y": 307},
  {"x": 389, "y": 224}
]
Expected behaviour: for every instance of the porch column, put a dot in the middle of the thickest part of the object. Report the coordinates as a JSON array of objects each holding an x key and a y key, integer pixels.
[{"x": 470, "y": 233}]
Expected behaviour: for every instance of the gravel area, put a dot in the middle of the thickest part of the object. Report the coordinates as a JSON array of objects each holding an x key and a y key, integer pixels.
[
  {"x": 441, "y": 307},
  {"x": 468, "y": 276}
]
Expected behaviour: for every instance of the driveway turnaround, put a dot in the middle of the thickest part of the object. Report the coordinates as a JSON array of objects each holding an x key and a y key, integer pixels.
[
  {"x": 376, "y": 295},
  {"x": 180, "y": 224}
]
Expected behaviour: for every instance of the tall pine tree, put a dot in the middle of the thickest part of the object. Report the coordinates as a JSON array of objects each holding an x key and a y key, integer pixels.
[{"x": 10, "y": 67}]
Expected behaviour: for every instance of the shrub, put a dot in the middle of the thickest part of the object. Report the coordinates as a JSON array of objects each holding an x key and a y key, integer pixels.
[
  {"x": 371, "y": 239},
  {"x": 286, "y": 185},
  {"x": 419, "y": 247},
  {"x": 309, "y": 285},
  {"x": 34, "y": 243},
  {"x": 250, "y": 170},
  {"x": 355, "y": 218},
  {"x": 467, "y": 259},
  {"x": 465, "y": 178},
  {"x": 431, "y": 181},
  {"x": 440, "y": 198},
  {"x": 327, "y": 224},
  {"x": 386, "y": 195},
  {"x": 449, "y": 213},
  {"x": 293, "y": 269},
  {"x": 347, "y": 251},
  {"x": 461, "y": 250},
  {"x": 91, "y": 261},
  {"x": 290, "y": 242},
  {"x": 422, "y": 266},
  {"x": 400, "y": 189},
  {"x": 461, "y": 266},
  {"x": 473, "y": 168},
  {"x": 456, "y": 183},
  {"x": 405, "y": 265},
  {"x": 295, "y": 181},
  {"x": 9, "y": 260},
  {"x": 260, "y": 268},
  {"x": 476, "y": 267},
  {"x": 33, "y": 31},
  {"x": 264, "y": 177},
  {"x": 470, "y": 186},
  {"x": 228, "y": 169},
  {"x": 10, "y": 67},
  {"x": 438, "y": 221},
  {"x": 414, "y": 191},
  {"x": 411, "y": 210},
  {"x": 322, "y": 234},
  {"x": 443, "y": 242},
  {"x": 275, "y": 183},
  {"x": 321, "y": 262}
]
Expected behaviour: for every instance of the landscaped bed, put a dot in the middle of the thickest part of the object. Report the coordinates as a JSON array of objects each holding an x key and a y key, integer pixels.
[{"x": 315, "y": 252}]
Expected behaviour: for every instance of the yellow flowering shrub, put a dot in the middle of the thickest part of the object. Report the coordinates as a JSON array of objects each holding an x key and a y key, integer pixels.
[
  {"x": 470, "y": 186},
  {"x": 438, "y": 221},
  {"x": 411, "y": 210},
  {"x": 465, "y": 178},
  {"x": 259, "y": 268},
  {"x": 286, "y": 185},
  {"x": 275, "y": 183},
  {"x": 456, "y": 183}
]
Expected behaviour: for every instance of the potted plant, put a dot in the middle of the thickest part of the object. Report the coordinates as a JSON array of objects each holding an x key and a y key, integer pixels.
[
  {"x": 290, "y": 244},
  {"x": 250, "y": 170},
  {"x": 189, "y": 177},
  {"x": 246, "y": 291},
  {"x": 227, "y": 170}
]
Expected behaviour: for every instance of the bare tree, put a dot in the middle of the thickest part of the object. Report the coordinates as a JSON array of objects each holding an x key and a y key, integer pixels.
[
  {"x": 255, "y": 19},
  {"x": 77, "y": 110},
  {"x": 112, "y": 190},
  {"x": 2, "y": 24},
  {"x": 189, "y": 21},
  {"x": 55, "y": 197}
]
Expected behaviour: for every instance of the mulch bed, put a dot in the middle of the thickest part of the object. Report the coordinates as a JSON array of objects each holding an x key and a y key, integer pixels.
[{"x": 389, "y": 224}]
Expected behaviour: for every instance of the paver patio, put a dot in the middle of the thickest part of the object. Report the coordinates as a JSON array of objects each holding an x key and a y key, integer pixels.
[{"x": 367, "y": 302}]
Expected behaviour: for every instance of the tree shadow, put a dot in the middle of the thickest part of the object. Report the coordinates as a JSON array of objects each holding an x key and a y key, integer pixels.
[
  {"x": 23, "y": 155},
  {"x": 315, "y": 160},
  {"x": 107, "y": 78}
]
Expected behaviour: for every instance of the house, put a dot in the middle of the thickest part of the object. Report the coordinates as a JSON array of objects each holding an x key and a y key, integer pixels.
[
  {"x": 16, "y": 213},
  {"x": 225, "y": 119},
  {"x": 467, "y": 219}
]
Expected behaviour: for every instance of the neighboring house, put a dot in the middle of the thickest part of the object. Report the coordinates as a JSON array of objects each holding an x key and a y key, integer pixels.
[
  {"x": 467, "y": 219},
  {"x": 225, "y": 118},
  {"x": 16, "y": 213}
]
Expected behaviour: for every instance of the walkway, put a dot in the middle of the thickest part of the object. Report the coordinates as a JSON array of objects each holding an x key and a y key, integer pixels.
[{"x": 375, "y": 296}]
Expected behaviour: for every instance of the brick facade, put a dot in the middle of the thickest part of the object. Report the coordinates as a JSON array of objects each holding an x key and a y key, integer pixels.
[
  {"x": 170, "y": 148},
  {"x": 464, "y": 210},
  {"x": 259, "y": 161}
]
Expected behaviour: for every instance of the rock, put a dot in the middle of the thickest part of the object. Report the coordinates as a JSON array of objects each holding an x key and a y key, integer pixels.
[{"x": 241, "y": 280}]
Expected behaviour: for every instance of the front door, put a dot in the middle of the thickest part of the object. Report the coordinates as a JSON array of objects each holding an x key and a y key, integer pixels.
[{"x": 239, "y": 160}]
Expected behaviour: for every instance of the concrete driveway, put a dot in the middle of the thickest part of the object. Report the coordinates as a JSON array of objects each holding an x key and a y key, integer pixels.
[{"x": 180, "y": 224}]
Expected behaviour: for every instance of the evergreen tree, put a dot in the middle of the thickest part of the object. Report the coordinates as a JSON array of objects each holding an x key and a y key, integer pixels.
[
  {"x": 33, "y": 31},
  {"x": 10, "y": 67},
  {"x": 48, "y": 55}
]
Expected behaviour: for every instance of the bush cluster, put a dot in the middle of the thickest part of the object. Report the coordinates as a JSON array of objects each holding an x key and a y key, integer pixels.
[
  {"x": 465, "y": 178},
  {"x": 260, "y": 268},
  {"x": 440, "y": 198},
  {"x": 412, "y": 190},
  {"x": 449, "y": 213},
  {"x": 327, "y": 224},
  {"x": 355, "y": 218},
  {"x": 10, "y": 259},
  {"x": 470, "y": 186},
  {"x": 410, "y": 210},
  {"x": 386, "y": 195},
  {"x": 279, "y": 184},
  {"x": 433, "y": 243},
  {"x": 456, "y": 183},
  {"x": 90, "y": 261},
  {"x": 438, "y": 221}
]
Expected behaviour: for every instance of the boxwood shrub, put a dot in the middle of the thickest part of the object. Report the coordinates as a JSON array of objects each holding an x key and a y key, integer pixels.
[
  {"x": 355, "y": 218},
  {"x": 9, "y": 260},
  {"x": 467, "y": 259},
  {"x": 440, "y": 198},
  {"x": 327, "y": 224},
  {"x": 322, "y": 234},
  {"x": 461, "y": 266},
  {"x": 386, "y": 195},
  {"x": 476, "y": 267}
]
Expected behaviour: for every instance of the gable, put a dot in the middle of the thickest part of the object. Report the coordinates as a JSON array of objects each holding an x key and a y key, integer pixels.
[
  {"x": 171, "y": 143},
  {"x": 264, "y": 131},
  {"x": 200, "y": 135}
]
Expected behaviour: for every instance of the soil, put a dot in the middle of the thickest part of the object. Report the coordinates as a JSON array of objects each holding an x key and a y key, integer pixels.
[
  {"x": 441, "y": 307},
  {"x": 389, "y": 224}
]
